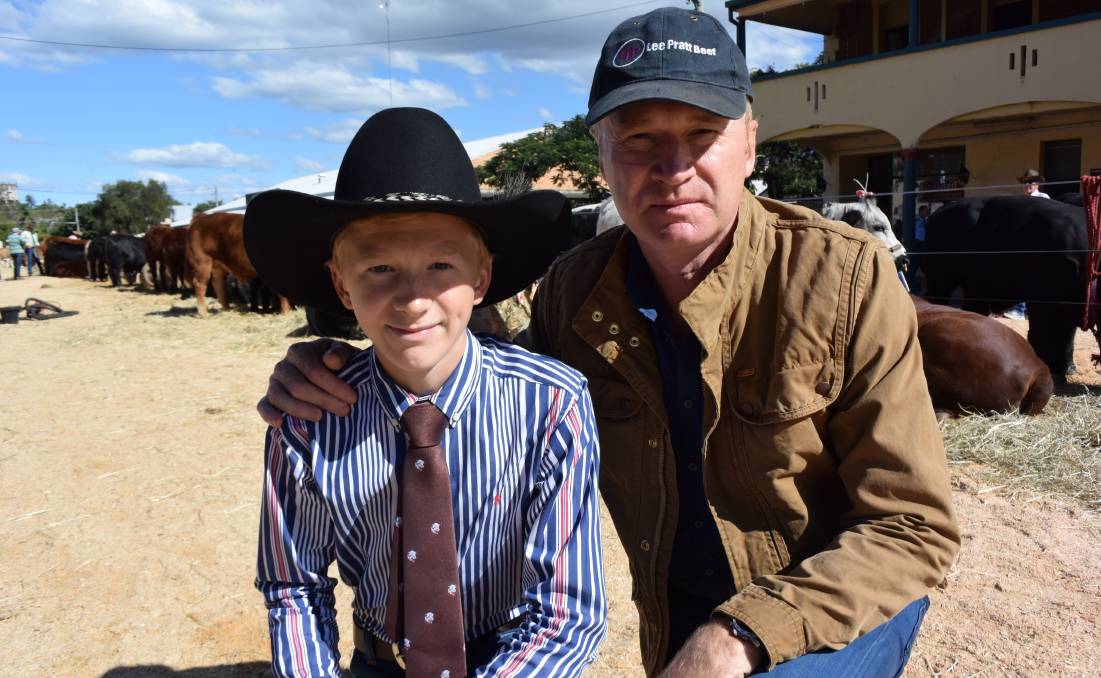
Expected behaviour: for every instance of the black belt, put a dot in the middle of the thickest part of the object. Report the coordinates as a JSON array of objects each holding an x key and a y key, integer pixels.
[{"x": 479, "y": 651}]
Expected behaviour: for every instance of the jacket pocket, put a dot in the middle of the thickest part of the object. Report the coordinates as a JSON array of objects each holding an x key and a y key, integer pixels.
[{"x": 789, "y": 394}]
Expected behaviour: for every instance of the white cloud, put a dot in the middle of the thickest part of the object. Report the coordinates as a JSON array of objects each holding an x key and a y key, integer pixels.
[
  {"x": 334, "y": 88},
  {"x": 163, "y": 177},
  {"x": 307, "y": 165},
  {"x": 16, "y": 178},
  {"x": 545, "y": 114},
  {"x": 195, "y": 154},
  {"x": 481, "y": 92},
  {"x": 471, "y": 63},
  {"x": 336, "y": 133}
]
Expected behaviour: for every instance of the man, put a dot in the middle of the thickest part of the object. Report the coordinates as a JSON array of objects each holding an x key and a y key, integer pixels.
[
  {"x": 30, "y": 246},
  {"x": 15, "y": 245},
  {"x": 1030, "y": 184},
  {"x": 771, "y": 460}
]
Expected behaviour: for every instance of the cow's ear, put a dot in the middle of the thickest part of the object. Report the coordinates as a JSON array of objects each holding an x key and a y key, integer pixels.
[{"x": 338, "y": 285}]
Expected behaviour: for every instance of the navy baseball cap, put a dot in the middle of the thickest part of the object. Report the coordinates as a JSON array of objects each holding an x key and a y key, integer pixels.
[{"x": 671, "y": 54}]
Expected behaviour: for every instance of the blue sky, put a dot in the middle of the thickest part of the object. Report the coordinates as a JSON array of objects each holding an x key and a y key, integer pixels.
[{"x": 72, "y": 119}]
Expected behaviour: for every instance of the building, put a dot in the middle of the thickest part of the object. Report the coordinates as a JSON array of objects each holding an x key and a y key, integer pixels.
[
  {"x": 936, "y": 99},
  {"x": 9, "y": 193}
]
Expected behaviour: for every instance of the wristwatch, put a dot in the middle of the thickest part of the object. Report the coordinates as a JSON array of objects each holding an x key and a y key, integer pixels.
[{"x": 738, "y": 630}]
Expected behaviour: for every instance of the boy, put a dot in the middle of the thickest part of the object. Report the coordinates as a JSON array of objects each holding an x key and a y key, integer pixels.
[{"x": 458, "y": 496}]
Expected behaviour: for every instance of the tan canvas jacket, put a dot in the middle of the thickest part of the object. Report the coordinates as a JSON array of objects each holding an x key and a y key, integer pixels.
[{"x": 823, "y": 462}]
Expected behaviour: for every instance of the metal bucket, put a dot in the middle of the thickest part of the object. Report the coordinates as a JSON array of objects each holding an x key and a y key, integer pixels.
[{"x": 9, "y": 315}]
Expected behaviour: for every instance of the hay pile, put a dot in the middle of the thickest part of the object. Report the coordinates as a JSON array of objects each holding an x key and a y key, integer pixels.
[{"x": 1056, "y": 454}]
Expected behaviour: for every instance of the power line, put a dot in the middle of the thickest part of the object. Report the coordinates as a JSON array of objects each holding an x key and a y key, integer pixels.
[{"x": 366, "y": 43}]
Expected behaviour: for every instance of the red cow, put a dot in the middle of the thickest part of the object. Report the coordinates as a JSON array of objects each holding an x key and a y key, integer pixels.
[
  {"x": 177, "y": 274},
  {"x": 154, "y": 257},
  {"x": 976, "y": 364},
  {"x": 216, "y": 247}
]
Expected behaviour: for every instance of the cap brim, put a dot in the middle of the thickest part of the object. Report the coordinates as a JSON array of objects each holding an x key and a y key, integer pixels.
[
  {"x": 288, "y": 238},
  {"x": 724, "y": 101}
]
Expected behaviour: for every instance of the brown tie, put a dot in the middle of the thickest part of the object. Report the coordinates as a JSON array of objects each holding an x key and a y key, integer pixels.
[{"x": 431, "y": 617}]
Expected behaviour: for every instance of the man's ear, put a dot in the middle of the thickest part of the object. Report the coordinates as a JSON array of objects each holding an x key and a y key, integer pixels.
[
  {"x": 751, "y": 147},
  {"x": 481, "y": 286},
  {"x": 338, "y": 285}
]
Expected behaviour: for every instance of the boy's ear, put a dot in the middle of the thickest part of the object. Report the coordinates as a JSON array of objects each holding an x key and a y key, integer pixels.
[
  {"x": 482, "y": 284},
  {"x": 338, "y": 285}
]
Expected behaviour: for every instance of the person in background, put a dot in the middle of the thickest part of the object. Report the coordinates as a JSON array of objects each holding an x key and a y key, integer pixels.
[
  {"x": 30, "y": 247},
  {"x": 1030, "y": 184},
  {"x": 15, "y": 244}
]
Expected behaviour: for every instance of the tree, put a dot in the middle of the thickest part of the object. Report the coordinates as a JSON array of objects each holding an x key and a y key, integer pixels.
[
  {"x": 792, "y": 170},
  {"x": 129, "y": 207},
  {"x": 204, "y": 206},
  {"x": 568, "y": 150}
]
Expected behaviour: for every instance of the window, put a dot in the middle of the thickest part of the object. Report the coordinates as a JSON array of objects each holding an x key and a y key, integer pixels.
[
  {"x": 963, "y": 18},
  {"x": 1009, "y": 14}
]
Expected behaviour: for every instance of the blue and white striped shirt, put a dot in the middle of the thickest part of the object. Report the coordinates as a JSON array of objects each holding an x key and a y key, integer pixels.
[{"x": 522, "y": 451}]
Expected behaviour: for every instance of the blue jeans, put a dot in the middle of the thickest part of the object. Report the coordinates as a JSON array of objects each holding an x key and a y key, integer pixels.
[
  {"x": 880, "y": 653},
  {"x": 17, "y": 261}
]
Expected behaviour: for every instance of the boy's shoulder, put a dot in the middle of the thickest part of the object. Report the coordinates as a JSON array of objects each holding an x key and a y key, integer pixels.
[{"x": 504, "y": 360}]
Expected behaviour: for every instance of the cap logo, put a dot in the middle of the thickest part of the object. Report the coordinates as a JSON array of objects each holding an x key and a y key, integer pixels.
[{"x": 629, "y": 52}]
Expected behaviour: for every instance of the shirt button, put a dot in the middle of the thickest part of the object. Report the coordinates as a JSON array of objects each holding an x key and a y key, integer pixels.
[
  {"x": 709, "y": 572},
  {"x": 698, "y": 524},
  {"x": 652, "y": 442},
  {"x": 688, "y": 404},
  {"x": 693, "y": 466},
  {"x": 597, "y": 316},
  {"x": 613, "y": 329},
  {"x": 645, "y": 545},
  {"x": 634, "y": 342}
]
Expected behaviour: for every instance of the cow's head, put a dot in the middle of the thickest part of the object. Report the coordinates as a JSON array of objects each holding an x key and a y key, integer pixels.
[{"x": 865, "y": 214}]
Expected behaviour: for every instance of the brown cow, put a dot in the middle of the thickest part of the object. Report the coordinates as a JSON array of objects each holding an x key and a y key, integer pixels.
[
  {"x": 154, "y": 258},
  {"x": 976, "y": 364},
  {"x": 174, "y": 257},
  {"x": 216, "y": 247}
]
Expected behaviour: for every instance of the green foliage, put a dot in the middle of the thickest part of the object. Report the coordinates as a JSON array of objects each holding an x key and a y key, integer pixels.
[
  {"x": 564, "y": 149},
  {"x": 204, "y": 206},
  {"x": 128, "y": 207},
  {"x": 793, "y": 170}
]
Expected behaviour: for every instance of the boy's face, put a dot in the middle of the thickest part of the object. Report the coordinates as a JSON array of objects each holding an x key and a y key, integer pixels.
[{"x": 412, "y": 281}]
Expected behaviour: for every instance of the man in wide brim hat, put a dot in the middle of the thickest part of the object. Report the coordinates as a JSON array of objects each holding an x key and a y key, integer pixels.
[
  {"x": 401, "y": 160},
  {"x": 1031, "y": 176}
]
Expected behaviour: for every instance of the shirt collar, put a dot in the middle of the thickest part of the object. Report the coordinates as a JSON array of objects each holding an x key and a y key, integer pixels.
[{"x": 451, "y": 399}]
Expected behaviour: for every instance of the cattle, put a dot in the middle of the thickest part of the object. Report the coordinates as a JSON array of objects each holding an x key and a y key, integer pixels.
[
  {"x": 974, "y": 363},
  {"x": 866, "y": 215},
  {"x": 216, "y": 247},
  {"x": 64, "y": 257},
  {"x": 125, "y": 255},
  {"x": 174, "y": 257},
  {"x": 1002, "y": 250},
  {"x": 96, "y": 254},
  {"x": 154, "y": 247}
]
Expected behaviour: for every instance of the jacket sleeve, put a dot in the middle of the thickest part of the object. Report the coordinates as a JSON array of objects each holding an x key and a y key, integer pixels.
[
  {"x": 563, "y": 570},
  {"x": 899, "y": 536},
  {"x": 295, "y": 551}
]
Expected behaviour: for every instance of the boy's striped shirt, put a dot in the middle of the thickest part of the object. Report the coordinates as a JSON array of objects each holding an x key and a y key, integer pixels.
[{"x": 522, "y": 451}]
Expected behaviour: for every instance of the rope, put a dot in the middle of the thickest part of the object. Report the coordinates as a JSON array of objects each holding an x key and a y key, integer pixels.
[
  {"x": 1091, "y": 201},
  {"x": 958, "y": 189}
]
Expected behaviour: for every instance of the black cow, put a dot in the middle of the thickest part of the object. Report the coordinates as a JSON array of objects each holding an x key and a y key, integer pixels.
[
  {"x": 1009, "y": 249},
  {"x": 96, "y": 254},
  {"x": 125, "y": 254}
]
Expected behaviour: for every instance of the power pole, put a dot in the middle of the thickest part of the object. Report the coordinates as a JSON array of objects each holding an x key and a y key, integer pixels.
[{"x": 76, "y": 215}]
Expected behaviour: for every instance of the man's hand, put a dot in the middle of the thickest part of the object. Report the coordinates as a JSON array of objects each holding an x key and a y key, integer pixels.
[
  {"x": 713, "y": 652},
  {"x": 303, "y": 383}
]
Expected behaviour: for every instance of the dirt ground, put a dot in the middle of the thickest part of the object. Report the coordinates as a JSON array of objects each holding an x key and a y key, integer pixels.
[{"x": 130, "y": 467}]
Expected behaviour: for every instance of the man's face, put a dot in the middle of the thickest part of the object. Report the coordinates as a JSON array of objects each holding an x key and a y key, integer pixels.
[
  {"x": 676, "y": 172},
  {"x": 1030, "y": 187},
  {"x": 412, "y": 281}
]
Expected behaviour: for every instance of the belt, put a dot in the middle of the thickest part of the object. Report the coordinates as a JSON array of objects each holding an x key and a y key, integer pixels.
[{"x": 373, "y": 646}]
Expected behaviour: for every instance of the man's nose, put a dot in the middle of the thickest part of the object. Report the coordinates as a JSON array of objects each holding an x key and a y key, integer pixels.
[{"x": 674, "y": 164}]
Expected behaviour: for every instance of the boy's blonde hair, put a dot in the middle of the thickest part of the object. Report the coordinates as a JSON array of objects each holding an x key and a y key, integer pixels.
[{"x": 381, "y": 224}]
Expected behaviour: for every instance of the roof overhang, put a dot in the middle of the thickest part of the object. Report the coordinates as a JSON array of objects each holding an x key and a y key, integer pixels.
[{"x": 813, "y": 16}]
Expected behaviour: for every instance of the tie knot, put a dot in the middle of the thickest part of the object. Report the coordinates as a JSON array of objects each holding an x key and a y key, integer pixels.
[{"x": 424, "y": 424}]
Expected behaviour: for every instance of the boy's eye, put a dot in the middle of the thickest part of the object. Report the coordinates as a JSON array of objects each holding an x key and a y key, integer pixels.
[
  {"x": 440, "y": 266},
  {"x": 380, "y": 268}
]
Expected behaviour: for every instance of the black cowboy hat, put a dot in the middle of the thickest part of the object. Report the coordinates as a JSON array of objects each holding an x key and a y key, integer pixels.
[{"x": 401, "y": 160}]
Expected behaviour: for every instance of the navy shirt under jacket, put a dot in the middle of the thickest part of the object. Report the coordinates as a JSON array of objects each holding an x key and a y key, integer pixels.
[{"x": 699, "y": 574}]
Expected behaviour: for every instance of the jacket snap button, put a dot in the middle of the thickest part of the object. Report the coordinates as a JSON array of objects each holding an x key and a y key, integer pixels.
[
  {"x": 652, "y": 442},
  {"x": 613, "y": 329},
  {"x": 633, "y": 341},
  {"x": 822, "y": 387},
  {"x": 645, "y": 545},
  {"x": 597, "y": 316}
]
